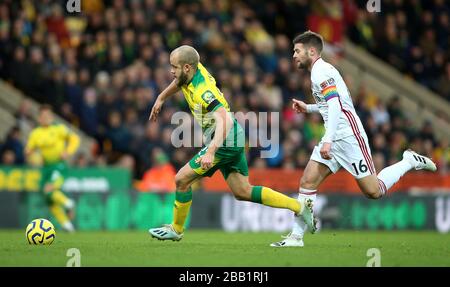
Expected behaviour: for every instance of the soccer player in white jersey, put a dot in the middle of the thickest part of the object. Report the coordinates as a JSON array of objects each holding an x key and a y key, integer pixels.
[{"x": 345, "y": 142}]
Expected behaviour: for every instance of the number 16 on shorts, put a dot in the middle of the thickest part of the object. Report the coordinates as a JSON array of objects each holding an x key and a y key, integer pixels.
[{"x": 360, "y": 168}]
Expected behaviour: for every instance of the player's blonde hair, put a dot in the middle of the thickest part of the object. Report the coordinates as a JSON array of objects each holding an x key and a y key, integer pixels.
[{"x": 187, "y": 55}]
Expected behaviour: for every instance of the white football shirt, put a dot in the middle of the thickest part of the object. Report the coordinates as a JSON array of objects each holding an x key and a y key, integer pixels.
[{"x": 326, "y": 84}]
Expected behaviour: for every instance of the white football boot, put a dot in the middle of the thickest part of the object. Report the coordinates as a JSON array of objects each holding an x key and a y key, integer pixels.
[
  {"x": 290, "y": 240},
  {"x": 68, "y": 227},
  {"x": 308, "y": 215},
  {"x": 419, "y": 161},
  {"x": 166, "y": 232}
]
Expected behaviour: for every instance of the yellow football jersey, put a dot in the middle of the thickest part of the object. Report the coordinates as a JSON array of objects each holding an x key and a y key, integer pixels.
[
  {"x": 204, "y": 97},
  {"x": 52, "y": 141}
]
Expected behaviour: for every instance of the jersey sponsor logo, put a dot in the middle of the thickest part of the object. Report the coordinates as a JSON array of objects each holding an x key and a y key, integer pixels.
[
  {"x": 208, "y": 97},
  {"x": 327, "y": 83}
]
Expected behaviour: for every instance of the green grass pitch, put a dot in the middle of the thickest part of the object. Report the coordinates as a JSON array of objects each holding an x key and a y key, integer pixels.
[{"x": 218, "y": 248}]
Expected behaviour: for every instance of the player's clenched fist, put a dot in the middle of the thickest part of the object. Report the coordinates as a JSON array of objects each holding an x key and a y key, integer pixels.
[
  {"x": 325, "y": 151},
  {"x": 206, "y": 161},
  {"x": 298, "y": 106}
]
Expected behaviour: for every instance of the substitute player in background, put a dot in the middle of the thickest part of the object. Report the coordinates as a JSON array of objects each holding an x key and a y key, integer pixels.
[
  {"x": 224, "y": 148},
  {"x": 345, "y": 142},
  {"x": 55, "y": 143}
]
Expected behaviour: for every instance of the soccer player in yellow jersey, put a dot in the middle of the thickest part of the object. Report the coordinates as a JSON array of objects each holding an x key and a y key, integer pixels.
[
  {"x": 55, "y": 143},
  {"x": 224, "y": 148}
]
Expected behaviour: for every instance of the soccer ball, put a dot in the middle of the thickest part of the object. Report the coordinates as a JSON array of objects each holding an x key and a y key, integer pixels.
[{"x": 40, "y": 232}]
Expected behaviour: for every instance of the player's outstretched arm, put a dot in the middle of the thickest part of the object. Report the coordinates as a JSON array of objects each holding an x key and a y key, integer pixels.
[
  {"x": 168, "y": 92},
  {"x": 302, "y": 107}
]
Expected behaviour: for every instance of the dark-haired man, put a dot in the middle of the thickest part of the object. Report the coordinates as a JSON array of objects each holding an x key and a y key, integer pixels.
[{"x": 345, "y": 142}]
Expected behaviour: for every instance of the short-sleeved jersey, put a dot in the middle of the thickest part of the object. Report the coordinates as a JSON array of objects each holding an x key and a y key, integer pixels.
[
  {"x": 204, "y": 97},
  {"x": 50, "y": 141},
  {"x": 327, "y": 83}
]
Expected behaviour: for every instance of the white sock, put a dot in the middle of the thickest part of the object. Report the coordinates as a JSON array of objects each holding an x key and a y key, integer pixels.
[
  {"x": 69, "y": 204},
  {"x": 68, "y": 226},
  {"x": 391, "y": 174},
  {"x": 300, "y": 226}
]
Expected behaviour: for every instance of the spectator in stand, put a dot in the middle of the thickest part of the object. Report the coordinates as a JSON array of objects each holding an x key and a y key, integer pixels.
[
  {"x": 117, "y": 134},
  {"x": 412, "y": 36},
  {"x": 13, "y": 144},
  {"x": 160, "y": 177},
  {"x": 88, "y": 112},
  {"x": 8, "y": 157},
  {"x": 24, "y": 117}
]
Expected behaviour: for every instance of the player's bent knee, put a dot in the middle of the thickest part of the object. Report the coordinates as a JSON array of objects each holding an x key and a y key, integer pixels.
[
  {"x": 181, "y": 182},
  {"x": 373, "y": 194},
  {"x": 182, "y": 186},
  {"x": 308, "y": 183},
  {"x": 242, "y": 193}
]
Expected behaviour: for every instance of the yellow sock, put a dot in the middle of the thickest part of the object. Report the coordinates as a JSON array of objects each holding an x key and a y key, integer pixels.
[
  {"x": 183, "y": 201},
  {"x": 180, "y": 213},
  {"x": 59, "y": 198},
  {"x": 59, "y": 213},
  {"x": 270, "y": 197}
]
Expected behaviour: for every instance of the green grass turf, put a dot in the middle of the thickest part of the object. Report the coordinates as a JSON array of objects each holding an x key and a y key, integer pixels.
[{"x": 217, "y": 248}]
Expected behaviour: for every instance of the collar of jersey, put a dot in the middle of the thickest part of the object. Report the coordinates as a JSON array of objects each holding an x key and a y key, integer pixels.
[
  {"x": 196, "y": 79},
  {"x": 312, "y": 66}
]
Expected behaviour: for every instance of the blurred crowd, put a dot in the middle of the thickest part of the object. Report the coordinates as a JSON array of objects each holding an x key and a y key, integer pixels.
[
  {"x": 103, "y": 70},
  {"x": 411, "y": 35}
]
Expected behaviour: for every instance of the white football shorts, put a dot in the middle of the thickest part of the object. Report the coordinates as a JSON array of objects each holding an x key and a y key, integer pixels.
[{"x": 352, "y": 153}]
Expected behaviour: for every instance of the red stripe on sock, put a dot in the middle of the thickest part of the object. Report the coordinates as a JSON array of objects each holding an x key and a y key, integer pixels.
[
  {"x": 308, "y": 193},
  {"x": 312, "y": 193},
  {"x": 382, "y": 185}
]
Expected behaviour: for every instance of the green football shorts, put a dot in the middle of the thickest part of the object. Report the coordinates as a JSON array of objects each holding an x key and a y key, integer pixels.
[
  {"x": 54, "y": 174},
  {"x": 227, "y": 159}
]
